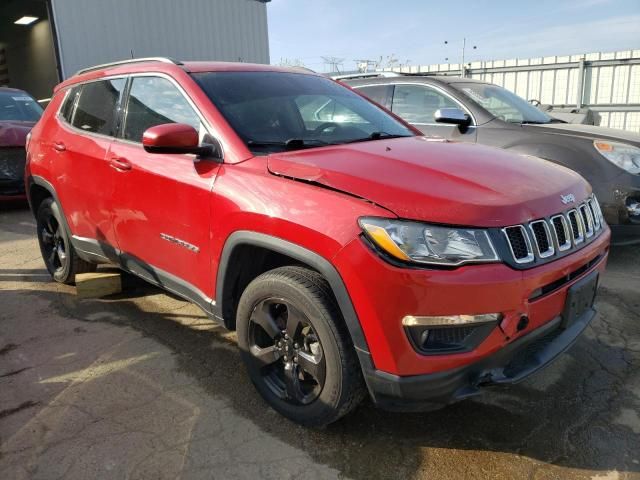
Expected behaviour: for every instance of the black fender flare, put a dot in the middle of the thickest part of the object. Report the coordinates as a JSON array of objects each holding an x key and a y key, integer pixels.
[
  {"x": 310, "y": 258},
  {"x": 37, "y": 180}
]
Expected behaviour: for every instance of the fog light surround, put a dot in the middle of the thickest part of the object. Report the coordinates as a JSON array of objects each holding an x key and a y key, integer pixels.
[
  {"x": 446, "y": 334},
  {"x": 449, "y": 320}
]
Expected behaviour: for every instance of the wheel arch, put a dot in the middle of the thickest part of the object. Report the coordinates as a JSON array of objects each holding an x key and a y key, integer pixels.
[
  {"x": 39, "y": 189},
  {"x": 238, "y": 253}
]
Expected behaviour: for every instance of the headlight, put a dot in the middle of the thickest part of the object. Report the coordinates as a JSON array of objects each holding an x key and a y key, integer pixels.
[
  {"x": 623, "y": 155},
  {"x": 429, "y": 244}
]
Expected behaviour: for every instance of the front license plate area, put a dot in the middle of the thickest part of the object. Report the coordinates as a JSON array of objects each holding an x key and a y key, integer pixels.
[{"x": 580, "y": 298}]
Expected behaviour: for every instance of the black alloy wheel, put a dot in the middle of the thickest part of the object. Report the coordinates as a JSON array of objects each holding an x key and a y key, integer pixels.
[
  {"x": 296, "y": 346},
  {"x": 287, "y": 351}
]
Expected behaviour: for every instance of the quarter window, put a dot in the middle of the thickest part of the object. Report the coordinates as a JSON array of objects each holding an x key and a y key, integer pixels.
[
  {"x": 418, "y": 104},
  {"x": 97, "y": 106},
  {"x": 156, "y": 101},
  {"x": 69, "y": 102}
]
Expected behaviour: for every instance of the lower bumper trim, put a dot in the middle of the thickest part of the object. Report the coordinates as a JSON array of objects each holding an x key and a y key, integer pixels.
[{"x": 509, "y": 365}]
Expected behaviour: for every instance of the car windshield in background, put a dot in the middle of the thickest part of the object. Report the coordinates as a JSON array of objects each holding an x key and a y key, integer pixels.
[
  {"x": 18, "y": 107},
  {"x": 502, "y": 103},
  {"x": 276, "y": 111}
]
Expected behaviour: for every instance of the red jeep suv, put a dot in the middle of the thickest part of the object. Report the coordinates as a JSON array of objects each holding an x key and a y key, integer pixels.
[{"x": 351, "y": 255}]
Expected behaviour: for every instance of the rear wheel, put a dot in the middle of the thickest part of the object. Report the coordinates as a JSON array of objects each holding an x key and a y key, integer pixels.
[
  {"x": 58, "y": 254},
  {"x": 296, "y": 348}
]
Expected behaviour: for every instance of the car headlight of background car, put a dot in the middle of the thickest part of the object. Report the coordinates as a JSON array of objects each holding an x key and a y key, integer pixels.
[
  {"x": 429, "y": 244},
  {"x": 623, "y": 155}
]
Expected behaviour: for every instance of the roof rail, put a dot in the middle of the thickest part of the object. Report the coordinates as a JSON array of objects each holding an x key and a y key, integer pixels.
[
  {"x": 353, "y": 76},
  {"x": 130, "y": 60}
]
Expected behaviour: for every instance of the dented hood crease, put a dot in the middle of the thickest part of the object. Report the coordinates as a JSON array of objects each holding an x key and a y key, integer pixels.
[{"x": 448, "y": 183}]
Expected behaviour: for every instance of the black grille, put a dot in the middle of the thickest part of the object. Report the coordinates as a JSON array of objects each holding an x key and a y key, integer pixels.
[
  {"x": 559, "y": 229},
  {"x": 584, "y": 221},
  {"x": 575, "y": 227},
  {"x": 443, "y": 338},
  {"x": 588, "y": 225},
  {"x": 541, "y": 236},
  {"x": 12, "y": 161},
  {"x": 518, "y": 242}
]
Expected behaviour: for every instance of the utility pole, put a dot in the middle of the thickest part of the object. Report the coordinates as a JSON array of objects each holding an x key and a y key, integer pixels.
[
  {"x": 333, "y": 63},
  {"x": 364, "y": 64},
  {"x": 463, "y": 68}
]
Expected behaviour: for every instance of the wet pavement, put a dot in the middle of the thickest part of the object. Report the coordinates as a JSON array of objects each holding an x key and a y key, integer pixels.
[{"x": 144, "y": 385}]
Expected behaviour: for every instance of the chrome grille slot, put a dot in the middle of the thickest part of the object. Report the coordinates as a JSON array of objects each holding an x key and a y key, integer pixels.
[
  {"x": 576, "y": 226},
  {"x": 542, "y": 238},
  {"x": 594, "y": 214},
  {"x": 519, "y": 243},
  {"x": 561, "y": 231},
  {"x": 587, "y": 220}
]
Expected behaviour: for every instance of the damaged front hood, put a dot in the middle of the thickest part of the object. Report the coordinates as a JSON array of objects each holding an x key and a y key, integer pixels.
[{"x": 448, "y": 183}]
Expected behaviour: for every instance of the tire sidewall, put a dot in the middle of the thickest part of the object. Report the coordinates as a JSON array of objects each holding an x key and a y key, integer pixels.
[{"x": 329, "y": 399}]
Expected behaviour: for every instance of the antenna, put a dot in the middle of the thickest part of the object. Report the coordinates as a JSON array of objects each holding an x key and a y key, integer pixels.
[{"x": 334, "y": 63}]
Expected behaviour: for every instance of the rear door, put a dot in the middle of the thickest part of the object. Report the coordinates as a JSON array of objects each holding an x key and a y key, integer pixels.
[
  {"x": 161, "y": 202},
  {"x": 88, "y": 119},
  {"x": 418, "y": 103}
]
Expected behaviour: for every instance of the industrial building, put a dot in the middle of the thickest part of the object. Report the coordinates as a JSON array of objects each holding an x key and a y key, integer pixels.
[{"x": 45, "y": 41}]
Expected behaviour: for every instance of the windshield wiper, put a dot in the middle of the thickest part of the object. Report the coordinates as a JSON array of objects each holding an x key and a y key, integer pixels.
[
  {"x": 376, "y": 136},
  {"x": 291, "y": 144}
]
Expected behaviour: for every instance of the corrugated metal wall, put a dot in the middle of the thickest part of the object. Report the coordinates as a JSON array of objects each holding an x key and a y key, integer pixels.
[
  {"x": 608, "y": 83},
  {"x": 92, "y": 32}
]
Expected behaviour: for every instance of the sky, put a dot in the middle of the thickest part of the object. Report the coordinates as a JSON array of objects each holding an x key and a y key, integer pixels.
[{"x": 415, "y": 31}]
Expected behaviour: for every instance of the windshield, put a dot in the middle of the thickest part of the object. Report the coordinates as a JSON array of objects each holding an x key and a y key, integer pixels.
[
  {"x": 274, "y": 111},
  {"x": 18, "y": 106},
  {"x": 503, "y": 104}
]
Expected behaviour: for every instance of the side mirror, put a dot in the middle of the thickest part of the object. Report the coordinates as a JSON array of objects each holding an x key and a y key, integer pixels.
[
  {"x": 454, "y": 116},
  {"x": 174, "y": 138}
]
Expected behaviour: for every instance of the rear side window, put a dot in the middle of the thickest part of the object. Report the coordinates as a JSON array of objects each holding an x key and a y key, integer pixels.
[
  {"x": 155, "y": 101},
  {"x": 96, "y": 109},
  {"x": 380, "y": 94}
]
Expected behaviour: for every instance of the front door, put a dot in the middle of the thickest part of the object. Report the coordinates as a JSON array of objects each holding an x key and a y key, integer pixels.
[
  {"x": 417, "y": 104},
  {"x": 162, "y": 208}
]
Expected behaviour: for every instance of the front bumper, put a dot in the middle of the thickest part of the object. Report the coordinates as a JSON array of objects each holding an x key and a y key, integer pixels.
[
  {"x": 510, "y": 365},
  {"x": 615, "y": 198},
  {"x": 383, "y": 294}
]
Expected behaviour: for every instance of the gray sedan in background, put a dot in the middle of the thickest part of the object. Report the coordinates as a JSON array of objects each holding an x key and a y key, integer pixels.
[{"x": 468, "y": 110}]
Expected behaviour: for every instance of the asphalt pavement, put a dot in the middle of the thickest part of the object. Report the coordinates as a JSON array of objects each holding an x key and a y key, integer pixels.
[{"x": 144, "y": 385}]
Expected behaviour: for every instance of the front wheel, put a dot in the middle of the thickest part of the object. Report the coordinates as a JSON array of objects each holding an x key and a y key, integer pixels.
[
  {"x": 296, "y": 348},
  {"x": 58, "y": 254}
]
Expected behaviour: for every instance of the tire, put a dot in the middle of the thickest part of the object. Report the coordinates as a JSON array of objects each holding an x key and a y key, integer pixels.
[
  {"x": 296, "y": 347},
  {"x": 58, "y": 253}
]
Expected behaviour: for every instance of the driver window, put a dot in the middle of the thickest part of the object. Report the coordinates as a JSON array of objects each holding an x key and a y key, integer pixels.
[{"x": 418, "y": 103}]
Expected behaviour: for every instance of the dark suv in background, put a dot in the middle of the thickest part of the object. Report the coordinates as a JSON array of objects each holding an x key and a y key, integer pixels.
[{"x": 468, "y": 110}]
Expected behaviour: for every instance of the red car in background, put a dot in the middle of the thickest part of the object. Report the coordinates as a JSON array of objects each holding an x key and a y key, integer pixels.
[{"x": 19, "y": 112}]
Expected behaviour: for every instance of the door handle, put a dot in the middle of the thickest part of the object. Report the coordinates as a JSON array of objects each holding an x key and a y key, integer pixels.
[
  {"x": 121, "y": 164},
  {"x": 59, "y": 146}
]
